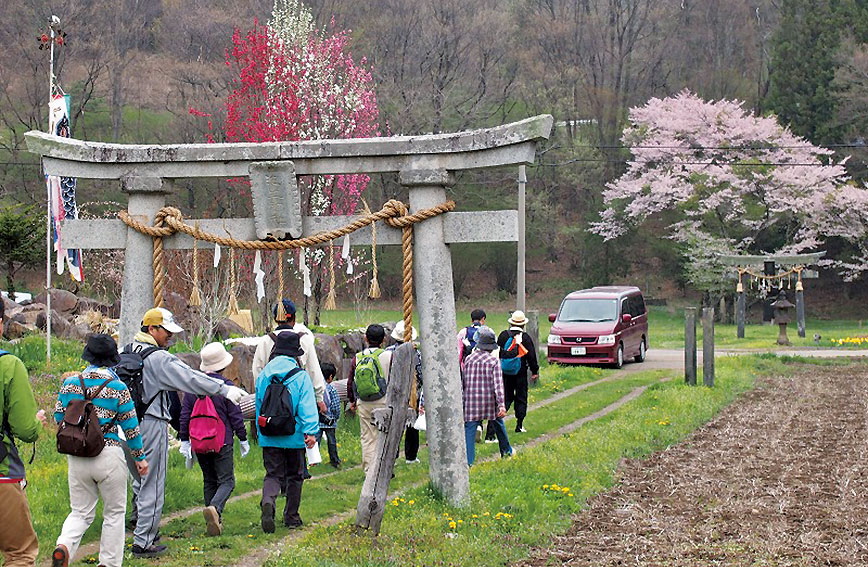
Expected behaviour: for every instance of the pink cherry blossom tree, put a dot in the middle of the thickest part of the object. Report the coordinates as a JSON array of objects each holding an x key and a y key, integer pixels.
[{"x": 726, "y": 181}]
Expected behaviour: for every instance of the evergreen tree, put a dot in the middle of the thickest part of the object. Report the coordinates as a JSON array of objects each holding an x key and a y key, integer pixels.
[{"x": 803, "y": 64}]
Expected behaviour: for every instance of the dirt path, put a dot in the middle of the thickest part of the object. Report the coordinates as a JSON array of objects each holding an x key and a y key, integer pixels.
[{"x": 778, "y": 478}]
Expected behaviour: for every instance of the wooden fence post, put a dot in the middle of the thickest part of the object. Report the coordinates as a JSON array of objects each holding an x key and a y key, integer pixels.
[
  {"x": 391, "y": 422},
  {"x": 708, "y": 346},
  {"x": 690, "y": 346}
]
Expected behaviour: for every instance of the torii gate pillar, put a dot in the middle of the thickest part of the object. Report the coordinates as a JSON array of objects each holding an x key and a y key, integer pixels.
[{"x": 435, "y": 303}]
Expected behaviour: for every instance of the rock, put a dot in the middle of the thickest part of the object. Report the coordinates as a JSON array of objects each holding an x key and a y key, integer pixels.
[
  {"x": 77, "y": 332},
  {"x": 10, "y": 308},
  {"x": 59, "y": 324},
  {"x": 86, "y": 304},
  {"x": 14, "y": 330},
  {"x": 62, "y": 301},
  {"x": 329, "y": 349},
  {"x": 240, "y": 369},
  {"x": 33, "y": 307},
  {"x": 227, "y": 328},
  {"x": 191, "y": 359},
  {"x": 353, "y": 341}
]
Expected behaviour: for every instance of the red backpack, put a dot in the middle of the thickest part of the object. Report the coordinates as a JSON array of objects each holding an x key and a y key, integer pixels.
[{"x": 207, "y": 430}]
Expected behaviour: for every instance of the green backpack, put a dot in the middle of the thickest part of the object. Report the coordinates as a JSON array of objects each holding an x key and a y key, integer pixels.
[{"x": 370, "y": 384}]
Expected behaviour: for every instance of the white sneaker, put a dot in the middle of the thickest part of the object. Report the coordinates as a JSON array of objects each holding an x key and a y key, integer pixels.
[
  {"x": 412, "y": 462},
  {"x": 478, "y": 433},
  {"x": 509, "y": 455},
  {"x": 521, "y": 430},
  {"x": 491, "y": 440}
]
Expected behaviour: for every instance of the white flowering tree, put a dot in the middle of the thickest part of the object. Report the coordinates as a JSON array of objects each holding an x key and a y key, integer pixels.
[
  {"x": 296, "y": 83},
  {"x": 725, "y": 181}
]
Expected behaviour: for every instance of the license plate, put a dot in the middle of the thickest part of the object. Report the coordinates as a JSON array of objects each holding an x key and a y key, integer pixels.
[{"x": 577, "y": 351}]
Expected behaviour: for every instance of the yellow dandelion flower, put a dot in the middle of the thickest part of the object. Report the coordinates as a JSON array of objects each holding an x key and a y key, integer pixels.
[
  {"x": 411, "y": 502},
  {"x": 452, "y": 525}
]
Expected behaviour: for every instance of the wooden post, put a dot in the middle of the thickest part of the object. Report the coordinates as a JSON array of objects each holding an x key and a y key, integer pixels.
[
  {"x": 739, "y": 309},
  {"x": 708, "y": 346},
  {"x": 690, "y": 346},
  {"x": 800, "y": 311},
  {"x": 390, "y": 420}
]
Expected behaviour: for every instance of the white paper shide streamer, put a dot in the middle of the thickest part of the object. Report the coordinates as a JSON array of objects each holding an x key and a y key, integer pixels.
[
  {"x": 305, "y": 273},
  {"x": 260, "y": 277},
  {"x": 216, "y": 254},
  {"x": 345, "y": 254}
]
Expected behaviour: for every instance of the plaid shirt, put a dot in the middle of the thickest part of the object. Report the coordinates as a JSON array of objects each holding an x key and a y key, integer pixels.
[
  {"x": 330, "y": 419},
  {"x": 482, "y": 379}
]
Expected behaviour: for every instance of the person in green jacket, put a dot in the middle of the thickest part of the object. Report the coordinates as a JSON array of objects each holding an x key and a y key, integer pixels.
[{"x": 22, "y": 421}]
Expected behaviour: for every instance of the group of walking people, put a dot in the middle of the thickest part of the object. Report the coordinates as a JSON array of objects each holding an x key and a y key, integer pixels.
[
  {"x": 495, "y": 373},
  {"x": 114, "y": 417}
]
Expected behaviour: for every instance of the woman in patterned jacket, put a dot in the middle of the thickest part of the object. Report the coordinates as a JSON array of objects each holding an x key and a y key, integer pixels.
[{"x": 106, "y": 474}]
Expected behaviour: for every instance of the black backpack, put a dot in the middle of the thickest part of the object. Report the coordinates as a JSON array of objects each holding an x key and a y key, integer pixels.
[
  {"x": 80, "y": 433},
  {"x": 129, "y": 370},
  {"x": 469, "y": 337},
  {"x": 276, "y": 415}
]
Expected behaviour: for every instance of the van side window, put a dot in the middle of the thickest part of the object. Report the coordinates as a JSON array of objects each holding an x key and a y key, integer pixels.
[
  {"x": 640, "y": 305},
  {"x": 625, "y": 306}
]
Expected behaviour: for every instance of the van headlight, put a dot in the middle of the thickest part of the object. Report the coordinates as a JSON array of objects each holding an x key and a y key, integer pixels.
[
  {"x": 606, "y": 340},
  {"x": 554, "y": 340}
]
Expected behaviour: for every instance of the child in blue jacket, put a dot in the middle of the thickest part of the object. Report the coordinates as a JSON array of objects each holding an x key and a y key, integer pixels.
[{"x": 283, "y": 455}]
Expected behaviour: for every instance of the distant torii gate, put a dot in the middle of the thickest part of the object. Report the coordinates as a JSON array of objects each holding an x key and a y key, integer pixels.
[
  {"x": 426, "y": 166},
  {"x": 769, "y": 265}
]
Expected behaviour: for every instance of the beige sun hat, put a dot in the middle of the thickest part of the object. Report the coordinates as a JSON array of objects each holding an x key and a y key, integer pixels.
[
  {"x": 517, "y": 319},
  {"x": 214, "y": 357}
]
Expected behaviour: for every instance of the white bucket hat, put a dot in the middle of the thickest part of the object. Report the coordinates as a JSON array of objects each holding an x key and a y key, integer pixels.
[
  {"x": 214, "y": 357},
  {"x": 398, "y": 332}
]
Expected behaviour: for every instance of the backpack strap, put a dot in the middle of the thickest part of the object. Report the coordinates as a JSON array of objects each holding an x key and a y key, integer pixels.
[{"x": 287, "y": 376}]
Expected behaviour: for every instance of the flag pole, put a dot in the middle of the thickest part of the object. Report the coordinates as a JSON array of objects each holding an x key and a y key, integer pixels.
[{"x": 52, "y": 23}]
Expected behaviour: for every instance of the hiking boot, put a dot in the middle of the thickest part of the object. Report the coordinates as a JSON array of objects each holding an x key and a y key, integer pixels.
[
  {"x": 268, "y": 517},
  {"x": 294, "y": 525},
  {"x": 336, "y": 465},
  {"x": 213, "y": 527},
  {"x": 153, "y": 551},
  {"x": 60, "y": 557}
]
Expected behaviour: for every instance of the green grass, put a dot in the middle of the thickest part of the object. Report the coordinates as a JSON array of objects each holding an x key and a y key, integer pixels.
[{"x": 666, "y": 330}]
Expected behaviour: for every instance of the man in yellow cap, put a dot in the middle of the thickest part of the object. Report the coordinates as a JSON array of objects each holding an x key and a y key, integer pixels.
[{"x": 162, "y": 373}]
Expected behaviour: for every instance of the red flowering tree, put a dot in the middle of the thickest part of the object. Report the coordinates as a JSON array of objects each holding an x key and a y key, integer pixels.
[{"x": 296, "y": 83}]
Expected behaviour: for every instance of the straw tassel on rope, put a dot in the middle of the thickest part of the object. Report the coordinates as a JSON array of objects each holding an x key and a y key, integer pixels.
[
  {"x": 233, "y": 300},
  {"x": 195, "y": 296},
  {"x": 330, "y": 302},
  {"x": 374, "y": 292}
]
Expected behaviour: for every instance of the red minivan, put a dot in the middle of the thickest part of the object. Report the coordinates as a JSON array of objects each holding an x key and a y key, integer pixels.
[{"x": 601, "y": 325}]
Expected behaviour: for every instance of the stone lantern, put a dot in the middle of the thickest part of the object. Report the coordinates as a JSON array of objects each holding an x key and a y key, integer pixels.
[{"x": 782, "y": 317}]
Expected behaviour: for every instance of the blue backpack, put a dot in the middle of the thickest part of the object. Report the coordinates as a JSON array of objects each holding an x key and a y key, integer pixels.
[
  {"x": 510, "y": 362},
  {"x": 469, "y": 339}
]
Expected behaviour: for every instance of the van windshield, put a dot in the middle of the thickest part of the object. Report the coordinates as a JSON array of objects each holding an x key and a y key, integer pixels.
[{"x": 588, "y": 310}]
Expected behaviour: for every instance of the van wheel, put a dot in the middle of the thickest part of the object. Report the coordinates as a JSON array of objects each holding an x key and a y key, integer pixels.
[
  {"x": 619, "y": 357},
  {"x": 641, "y": 356}
]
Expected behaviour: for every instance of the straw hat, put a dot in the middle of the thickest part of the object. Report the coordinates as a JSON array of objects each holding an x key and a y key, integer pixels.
[{"x": 518, "y": 319}]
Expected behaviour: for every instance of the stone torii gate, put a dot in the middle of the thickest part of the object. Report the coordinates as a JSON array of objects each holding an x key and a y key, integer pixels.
[{"x": 425, "y": 165}]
